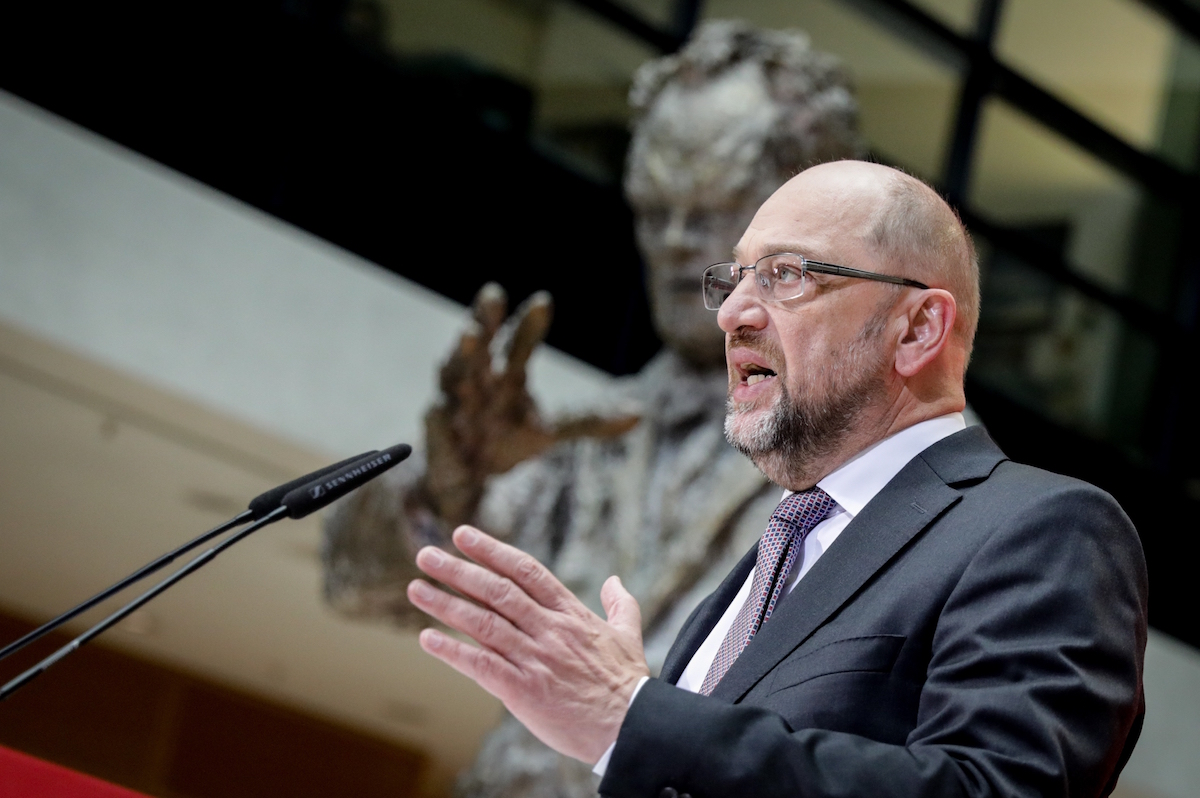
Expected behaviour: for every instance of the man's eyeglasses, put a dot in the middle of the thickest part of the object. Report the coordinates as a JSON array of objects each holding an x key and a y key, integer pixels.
[{"x": 781, "y": 277}]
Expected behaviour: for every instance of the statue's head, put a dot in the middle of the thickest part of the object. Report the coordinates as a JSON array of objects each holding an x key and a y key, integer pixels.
[{"x": 717, "y": 128}]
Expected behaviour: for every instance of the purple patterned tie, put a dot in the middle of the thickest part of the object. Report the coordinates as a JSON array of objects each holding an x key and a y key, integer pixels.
[{"x": 794, "y": 518}]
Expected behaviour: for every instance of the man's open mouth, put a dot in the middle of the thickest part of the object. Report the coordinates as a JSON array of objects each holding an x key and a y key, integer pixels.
[{"x": 756, "y": 373}]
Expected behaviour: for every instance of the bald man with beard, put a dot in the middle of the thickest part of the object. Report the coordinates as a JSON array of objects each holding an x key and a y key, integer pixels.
[{"x": 922, "y": 616}]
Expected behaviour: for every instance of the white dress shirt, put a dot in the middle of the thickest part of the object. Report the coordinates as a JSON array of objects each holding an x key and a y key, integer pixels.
[{"x": 852, "y": 485}]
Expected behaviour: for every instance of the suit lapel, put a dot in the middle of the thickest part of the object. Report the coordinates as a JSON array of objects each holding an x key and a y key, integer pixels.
[
  {"x": 698, "y": 626},
  {"x": 906, "y": 505}
]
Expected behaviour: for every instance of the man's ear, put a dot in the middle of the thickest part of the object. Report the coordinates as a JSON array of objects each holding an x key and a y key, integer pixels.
[{"x": 930, "y": 325}]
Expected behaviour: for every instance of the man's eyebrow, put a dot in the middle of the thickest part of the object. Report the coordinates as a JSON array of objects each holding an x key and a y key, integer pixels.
[{"x": 793, "y": 247}]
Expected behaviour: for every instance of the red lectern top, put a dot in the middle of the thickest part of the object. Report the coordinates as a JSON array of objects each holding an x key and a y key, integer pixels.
[{"x": 23, "y": 776}]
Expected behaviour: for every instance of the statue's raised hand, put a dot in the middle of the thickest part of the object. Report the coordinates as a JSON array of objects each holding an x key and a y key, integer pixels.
[{"x": 486, "y": 421}]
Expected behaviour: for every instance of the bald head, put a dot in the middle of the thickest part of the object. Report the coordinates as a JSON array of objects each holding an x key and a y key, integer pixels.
[
  {"x": 911, "y": 229},
  {"x": 917, "y": 234}
]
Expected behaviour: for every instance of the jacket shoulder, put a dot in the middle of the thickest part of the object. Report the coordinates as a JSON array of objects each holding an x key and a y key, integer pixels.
[{"x": 970, "y": 460}]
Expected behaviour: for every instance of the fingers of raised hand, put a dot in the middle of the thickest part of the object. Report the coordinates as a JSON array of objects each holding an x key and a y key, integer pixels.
[
  {"x": 481, "y": 624},
  {"x": 489, "y": 308},
  {"x": 495, "y": 592},
  {"x": 532, "y": 321},
  {"x": 490, "y": 670},
  {"x": 529, "y": 575},
  {"x": 463, "y": 365},
  {"x": 471, "y": 355}
]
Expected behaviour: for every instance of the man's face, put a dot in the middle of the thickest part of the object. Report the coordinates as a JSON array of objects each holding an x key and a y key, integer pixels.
[
  {"x": 695, "y": 180},
  {"x": 803, "y": 374}
]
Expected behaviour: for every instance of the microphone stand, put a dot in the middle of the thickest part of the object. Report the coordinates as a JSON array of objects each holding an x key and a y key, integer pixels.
[
  {"x": 116, "y": 617},
  {"x": 259, "y": 506},
  {"x": 296, "y": 499},
  {"x": 141, "y": 573}
]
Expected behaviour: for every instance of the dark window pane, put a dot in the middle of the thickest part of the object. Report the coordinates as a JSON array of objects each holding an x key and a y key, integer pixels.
[
  {"x": 1028, "y": 177},
  {"x": 1058, "y": 352},
  {"x": 1111, "y": 59},
  {"x": 577, "y": 65},
  {"x": 957, "y": 14},
  {"x": 907, "y": 97}
]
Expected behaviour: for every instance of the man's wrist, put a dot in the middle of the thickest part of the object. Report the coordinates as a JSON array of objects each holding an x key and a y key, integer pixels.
[{"x": 601, "y": 765}]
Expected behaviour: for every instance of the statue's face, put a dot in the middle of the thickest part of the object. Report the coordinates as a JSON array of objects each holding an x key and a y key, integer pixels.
[{"x": 696, "y": 176}]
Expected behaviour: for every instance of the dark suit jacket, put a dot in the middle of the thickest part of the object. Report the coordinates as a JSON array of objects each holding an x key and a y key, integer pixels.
[{"x": 977, "y": 630}]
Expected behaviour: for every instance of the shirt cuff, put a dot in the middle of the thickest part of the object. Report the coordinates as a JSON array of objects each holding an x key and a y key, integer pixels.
[{"x": 602, "y": 765}]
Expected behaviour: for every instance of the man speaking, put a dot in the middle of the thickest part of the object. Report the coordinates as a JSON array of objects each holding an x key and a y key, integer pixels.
[{"x": 922, "y": 617}]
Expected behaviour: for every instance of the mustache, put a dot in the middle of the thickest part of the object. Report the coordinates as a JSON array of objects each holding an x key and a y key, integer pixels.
[{"x": 758, "y": 341}]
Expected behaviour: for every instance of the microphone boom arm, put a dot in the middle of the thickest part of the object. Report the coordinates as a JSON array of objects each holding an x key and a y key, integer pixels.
[
  {"x": 259, "y": 506},
  {"x": 112, "y": 590},
  {"x": 116, "y": 617},
  {"x": 316, "y": 490}
]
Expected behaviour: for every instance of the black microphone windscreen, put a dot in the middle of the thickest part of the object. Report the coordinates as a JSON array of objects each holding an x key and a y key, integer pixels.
[
  {"x": 264, "y": 503},
  {"x": 329, "y": 488}
]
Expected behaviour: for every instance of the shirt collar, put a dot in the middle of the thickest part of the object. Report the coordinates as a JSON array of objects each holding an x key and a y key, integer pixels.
[{"x": 856, "y": 481}]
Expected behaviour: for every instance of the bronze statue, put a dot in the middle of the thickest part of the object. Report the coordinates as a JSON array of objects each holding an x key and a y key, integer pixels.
[{"x": 648, "y": 488}]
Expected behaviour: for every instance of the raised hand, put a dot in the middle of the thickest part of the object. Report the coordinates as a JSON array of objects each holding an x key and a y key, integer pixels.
[
  {"x": 486, "y": 422},
  {"x": 558, "y": 667}
]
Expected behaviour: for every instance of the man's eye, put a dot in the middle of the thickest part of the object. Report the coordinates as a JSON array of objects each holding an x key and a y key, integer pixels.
[{"x": 786, "y": 274}]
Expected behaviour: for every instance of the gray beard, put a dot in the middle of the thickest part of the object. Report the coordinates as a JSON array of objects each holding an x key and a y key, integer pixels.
[{"x": 798, "y": 430}]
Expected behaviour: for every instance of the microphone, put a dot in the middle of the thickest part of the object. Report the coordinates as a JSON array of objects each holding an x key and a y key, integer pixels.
[
  {"x": 330, "y": 484},
  {"x": 267, "y": 501},
  {"x": 328, "y": 488},
  {"x": 260, "y": 506}
]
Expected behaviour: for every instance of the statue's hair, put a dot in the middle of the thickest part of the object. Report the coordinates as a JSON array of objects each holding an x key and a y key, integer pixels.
[{"x": 818, "y": 119}]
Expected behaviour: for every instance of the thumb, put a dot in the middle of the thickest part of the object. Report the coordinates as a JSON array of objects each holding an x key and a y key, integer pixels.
[{"x": 620, "y": 606}]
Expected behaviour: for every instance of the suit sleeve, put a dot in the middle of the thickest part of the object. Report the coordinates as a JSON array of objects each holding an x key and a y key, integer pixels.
[{"x": 1033, "y": 686}]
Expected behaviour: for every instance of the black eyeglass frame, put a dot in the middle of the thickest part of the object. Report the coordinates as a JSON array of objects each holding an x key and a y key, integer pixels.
[{"x": 806, "y": 265}]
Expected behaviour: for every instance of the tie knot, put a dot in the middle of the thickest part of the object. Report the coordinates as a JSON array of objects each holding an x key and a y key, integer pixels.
[{"x": 805, "y": 509}]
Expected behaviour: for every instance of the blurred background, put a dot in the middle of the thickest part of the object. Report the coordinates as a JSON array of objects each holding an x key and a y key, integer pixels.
[{"x": 236, "y": 238}]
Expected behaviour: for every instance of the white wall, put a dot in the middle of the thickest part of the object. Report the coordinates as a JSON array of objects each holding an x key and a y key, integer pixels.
[{"x": 138, "y": 267}]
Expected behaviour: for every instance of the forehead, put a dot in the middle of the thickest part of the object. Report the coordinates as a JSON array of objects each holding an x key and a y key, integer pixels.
[
  {"x": 824, "y": 219},
  {"x": 737, "y": 99},
  {"x": 704, "y": 140}
]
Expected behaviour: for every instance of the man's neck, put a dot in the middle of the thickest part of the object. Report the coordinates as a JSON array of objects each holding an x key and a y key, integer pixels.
[{"x": 871, "y": 430}]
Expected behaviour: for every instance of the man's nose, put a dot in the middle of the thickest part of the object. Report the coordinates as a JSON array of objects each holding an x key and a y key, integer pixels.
[{"x": 742, "y": 308}]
